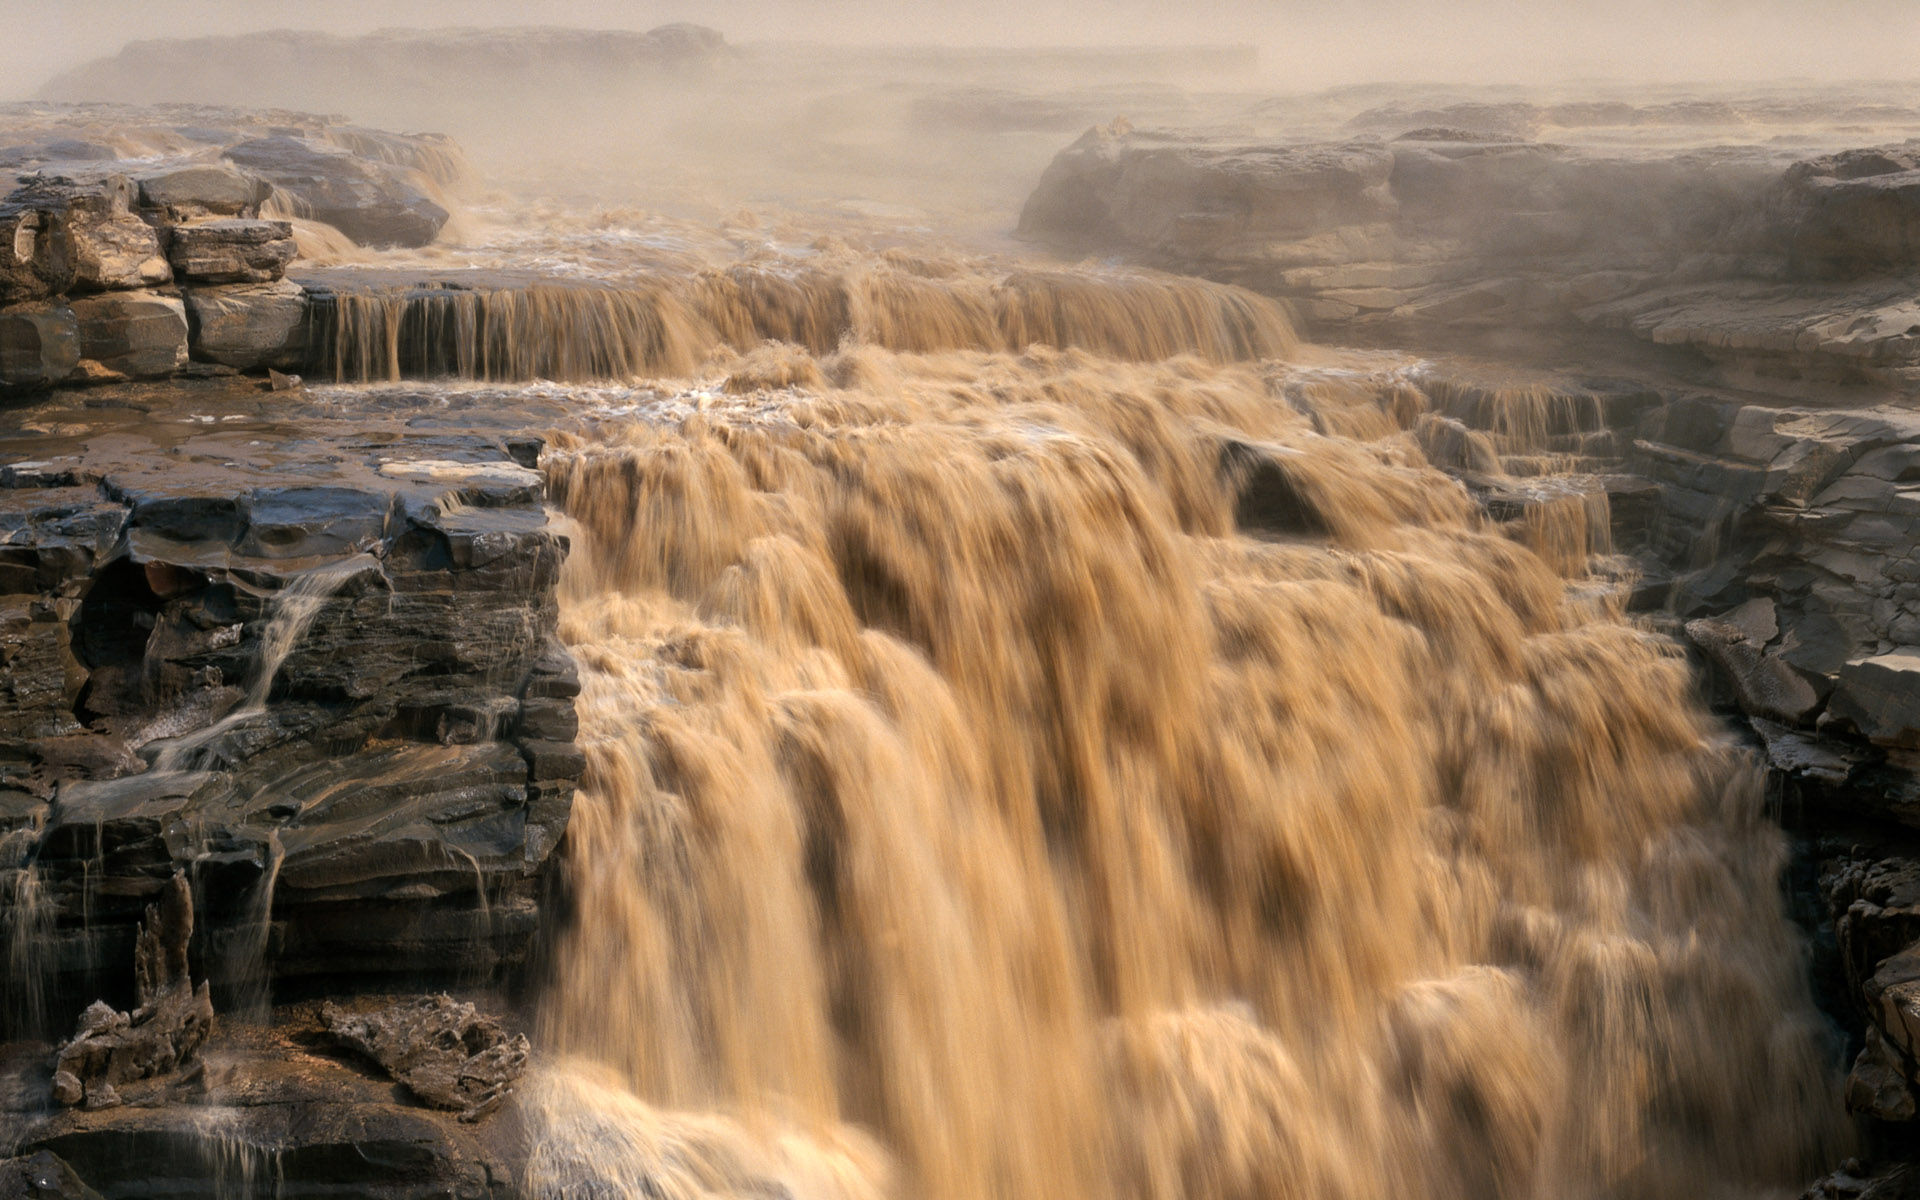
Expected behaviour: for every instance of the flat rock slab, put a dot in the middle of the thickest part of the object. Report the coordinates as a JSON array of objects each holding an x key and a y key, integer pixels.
[
  {"x": 231, "y": 250},
  {"x": 1881, "y": 697}
]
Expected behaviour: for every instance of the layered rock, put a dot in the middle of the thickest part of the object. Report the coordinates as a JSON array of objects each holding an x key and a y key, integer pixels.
[
  {"x": 231, "y": 250},
  {"x": 108, "y": 274},
  {"x": 1478, "y": 236},
  {"x": 324, "y": 686}
]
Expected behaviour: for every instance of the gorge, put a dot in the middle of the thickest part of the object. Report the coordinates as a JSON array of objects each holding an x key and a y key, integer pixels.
[{"x": 876, "y": 631}]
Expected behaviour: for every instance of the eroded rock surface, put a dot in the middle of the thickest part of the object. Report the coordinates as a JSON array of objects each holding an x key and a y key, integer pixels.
[
  {"x": 165, "y": 1030},
  {"x": 148, "y": 255},
  {"x": 277, "y": 1111},
  {"x": 322, "y": 678},
  {"x": 445, "y": 1051}
]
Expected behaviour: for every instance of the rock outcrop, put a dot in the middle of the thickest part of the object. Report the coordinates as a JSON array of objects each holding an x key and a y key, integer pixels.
[
  {"x": 445, "y": 1051},
  {"x": 322, "y": 680},
  {"x": 276, "y": 1111},
  {"x": 1478, "y": 236},
  {"x": 165, "y": 1030},
  {"x": 142, "y": 272},
  {"x": 374, "y": 203}
]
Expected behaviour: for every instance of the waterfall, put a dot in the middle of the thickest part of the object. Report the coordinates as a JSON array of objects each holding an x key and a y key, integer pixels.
[{"x": 986, "y": 799}]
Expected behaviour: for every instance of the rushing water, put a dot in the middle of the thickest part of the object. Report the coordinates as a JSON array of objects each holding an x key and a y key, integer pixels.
[{"x": 975, "y": 809}]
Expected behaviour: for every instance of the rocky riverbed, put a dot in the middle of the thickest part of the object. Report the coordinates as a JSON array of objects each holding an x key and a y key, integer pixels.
[{"x": 295, "y": 644}]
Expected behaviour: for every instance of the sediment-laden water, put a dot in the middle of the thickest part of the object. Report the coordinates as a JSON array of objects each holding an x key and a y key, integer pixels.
[{"x": 1036, "y": 774}]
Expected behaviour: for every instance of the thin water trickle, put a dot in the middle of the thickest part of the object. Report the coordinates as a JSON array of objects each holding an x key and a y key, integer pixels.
[{"x": 289, "y": 615}]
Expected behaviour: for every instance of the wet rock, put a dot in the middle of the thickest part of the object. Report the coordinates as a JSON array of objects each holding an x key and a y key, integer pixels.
[
  {"x": 443, "y": 1050},
  {"x": 186, "y": 191},
  {"x": 407, "y": 768},
  {"x": 1854, "y": 1180},
  {"x": 231, "y": 251},
  {"x": 371, "y": 202},
  {"x": 1268, "y": 498},
  {"x": 249, "y": 326},
  {"x": 165, "y": 1030},
  {"x": 39, "y": 345},
  {"x": 1877, "y": 1086},
  {"x": 42, "y": 1176},
  {"x": 135, "y": 334},
  {"x": 1880, "y": 696},
  {"x": 1765, "y": 685},
  {"x": 276, "y": 1110}
]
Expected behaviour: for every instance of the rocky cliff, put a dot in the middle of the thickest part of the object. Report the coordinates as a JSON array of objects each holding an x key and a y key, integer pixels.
[
  {"x": 1444, "y": 235},
  {"x": 302, "y": 659}
]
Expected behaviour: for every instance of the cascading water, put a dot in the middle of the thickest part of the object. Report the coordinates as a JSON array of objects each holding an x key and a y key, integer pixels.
[
  {"x": 488, "y": 326},
  {"x": 976, "y": 808}
]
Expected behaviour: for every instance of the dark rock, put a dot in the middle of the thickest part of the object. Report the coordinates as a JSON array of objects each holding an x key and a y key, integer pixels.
[
  {"x": 1877, "y": 1086},
  {"x": 231, "y": 251},
  {"x": 371, "y": 202},
  {"x": 446, "y": 1053},
  {"x": 1268, "y": 498},
  {"x": 140, "y": 335},
  {"x": 39, "y": 345},
  {"x": 1880, "y": 697},
  {"x": 382, "y": 767},
  {"x": 42, "y": 1176},
  {"x": 164, "y": 1032},
  {"x": 1854, "y": 1180},
  {"x": 249, "y": 326}
]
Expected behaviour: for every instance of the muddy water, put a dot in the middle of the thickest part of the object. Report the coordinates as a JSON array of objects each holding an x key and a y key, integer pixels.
[{"x": 978, "y": 807}]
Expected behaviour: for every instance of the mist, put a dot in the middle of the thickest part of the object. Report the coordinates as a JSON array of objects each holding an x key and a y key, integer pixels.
[{"x": 1303, "y": 44}]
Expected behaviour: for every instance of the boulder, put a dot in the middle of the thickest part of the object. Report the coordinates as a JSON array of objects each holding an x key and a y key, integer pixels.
[
  {"x": 185, "y": 191},
  {"x": 1854, "y": 213},
  {"x": 59, "y": 234},
  {"x": 231, "y": 250},
  {"x": 1880, "y": 696},
  {"x": 1876, "y": 1086},
  {"x": 373, "y": 203},
  {"x": 137, "y": 334},
  {"x": 116, "y": 251},
  {"x": 446, "y": 1052},
  {"x": 39, "y": 344},
  {"x": 249, "y": 326}
]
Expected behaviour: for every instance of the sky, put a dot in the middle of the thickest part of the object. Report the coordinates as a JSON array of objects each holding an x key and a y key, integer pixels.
[{"x": 1303, "y": 43}]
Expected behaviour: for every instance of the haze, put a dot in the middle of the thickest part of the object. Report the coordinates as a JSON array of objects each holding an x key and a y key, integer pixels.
[{"x": 1303, "y": 43}]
